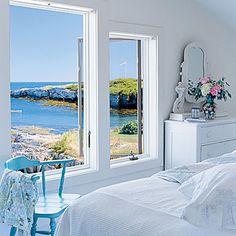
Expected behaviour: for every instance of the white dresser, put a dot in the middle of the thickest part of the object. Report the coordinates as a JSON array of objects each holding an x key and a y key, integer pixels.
[{"x": 187, "y": 143}]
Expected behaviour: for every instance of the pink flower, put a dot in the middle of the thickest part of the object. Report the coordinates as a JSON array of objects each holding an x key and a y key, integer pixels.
[
  {"x": 215, "y": 90},
  {"x": 205, "y": 80}
]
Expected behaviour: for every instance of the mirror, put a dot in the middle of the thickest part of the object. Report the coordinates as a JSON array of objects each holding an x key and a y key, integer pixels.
[
  {"x": 193, "y": 68},
  {"x": 195, "y": 65}
]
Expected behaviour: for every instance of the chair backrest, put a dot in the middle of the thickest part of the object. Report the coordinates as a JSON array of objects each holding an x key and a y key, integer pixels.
[{"x": 21, "y": 163}]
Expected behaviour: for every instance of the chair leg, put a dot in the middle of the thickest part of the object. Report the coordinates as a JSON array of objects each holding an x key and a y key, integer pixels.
[
  {"x": 53, "y": 226},
  {"x": 34, "y": 227},
  {"x": 13, "y": 231}
]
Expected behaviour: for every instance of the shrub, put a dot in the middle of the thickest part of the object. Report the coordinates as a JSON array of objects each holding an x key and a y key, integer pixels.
[
  {"x": 129, "y": 128},
  {"x": 68, "y": 144}
]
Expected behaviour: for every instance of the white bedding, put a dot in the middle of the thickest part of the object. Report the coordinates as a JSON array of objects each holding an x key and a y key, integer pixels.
[
  {"x": 146, "y": 207},
  {"x": 213, "y": 198}
]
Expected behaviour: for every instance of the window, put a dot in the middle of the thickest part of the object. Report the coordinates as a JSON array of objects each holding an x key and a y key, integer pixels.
[
  {"x": 129, "y": 101},
  {"x": 50, "y": 84}
]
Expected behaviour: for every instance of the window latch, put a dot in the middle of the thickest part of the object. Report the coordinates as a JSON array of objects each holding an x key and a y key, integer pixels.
[
  {"x": 133, "y": 157},
  {"x": 89, "y": 139}
]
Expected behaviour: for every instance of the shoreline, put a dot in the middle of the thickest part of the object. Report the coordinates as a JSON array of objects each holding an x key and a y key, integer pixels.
[
  {"x": 123, "y": 93},
  {"x": 74, "y": 106},
  {"x": 37, "y": 143},
  {"x": 42, "y": 144}
]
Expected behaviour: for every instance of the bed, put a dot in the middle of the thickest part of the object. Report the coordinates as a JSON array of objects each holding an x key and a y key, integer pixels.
[{"x": 146, "y": 207}]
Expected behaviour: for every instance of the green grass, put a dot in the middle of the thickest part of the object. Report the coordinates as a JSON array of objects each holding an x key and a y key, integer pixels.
[
  {"x": 71, "y": 87},
  {"x": 119, "y": 143},
  {"x": 122, "y": 143},
  {"x": 123, "y": 86},
  {"x": 55, "y": 103}
]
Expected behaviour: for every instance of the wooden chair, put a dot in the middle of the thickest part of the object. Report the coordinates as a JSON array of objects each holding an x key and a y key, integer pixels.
[{"x": 49, "y": 206}]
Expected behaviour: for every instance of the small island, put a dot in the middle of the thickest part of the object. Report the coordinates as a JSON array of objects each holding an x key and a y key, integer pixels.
[{"x": 122, "y": 93}]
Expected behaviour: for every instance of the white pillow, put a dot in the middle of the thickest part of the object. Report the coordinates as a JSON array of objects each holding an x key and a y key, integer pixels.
[
  {"x": 183, "y": 173},
  {"x": 223, "y": 159},
  {"x": 212, "y": 196}
]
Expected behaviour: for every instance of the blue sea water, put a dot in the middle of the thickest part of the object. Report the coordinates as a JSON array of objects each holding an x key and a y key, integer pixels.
[{"x": 60, "y": 119}]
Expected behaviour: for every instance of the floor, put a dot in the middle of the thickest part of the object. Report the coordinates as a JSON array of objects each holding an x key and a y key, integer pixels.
[{"x": 4, "y": 230}]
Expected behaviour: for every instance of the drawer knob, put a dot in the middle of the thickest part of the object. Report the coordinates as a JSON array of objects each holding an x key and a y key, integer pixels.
[
  {"x": 209, "y": 134},
  {"x": 208, "y": 155}
]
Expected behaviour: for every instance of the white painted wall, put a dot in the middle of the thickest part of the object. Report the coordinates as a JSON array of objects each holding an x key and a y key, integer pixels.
[
  {"x": 4, "y": 91},
  {"x": 180, "y": 21},
  {"x": 4, "y": 83}
]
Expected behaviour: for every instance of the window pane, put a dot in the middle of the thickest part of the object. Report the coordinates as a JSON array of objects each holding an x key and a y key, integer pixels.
[
  {"x": 44, "y": 84},
  {"x": 125, "y": 97}
]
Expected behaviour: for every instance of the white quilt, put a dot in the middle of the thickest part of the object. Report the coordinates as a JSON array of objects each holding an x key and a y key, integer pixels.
[
  {"x": 213, "y": 198},
  {"x": 146, "y": 207}
]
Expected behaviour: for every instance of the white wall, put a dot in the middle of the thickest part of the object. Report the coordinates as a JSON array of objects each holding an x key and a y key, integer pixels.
[
  {"x": 4, "y": 83},
  {"x": 180, "y": 21}
]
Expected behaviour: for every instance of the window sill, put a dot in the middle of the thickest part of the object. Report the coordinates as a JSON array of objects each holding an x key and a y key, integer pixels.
[
  {"x": 118, "y": 172},
  {"x": 76, "y": 172},
  {"x": 127, "y": 162}
]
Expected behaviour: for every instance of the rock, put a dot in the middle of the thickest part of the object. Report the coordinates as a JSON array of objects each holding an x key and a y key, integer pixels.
[
  {"x": 123, "y": 101},
  {"x": 62, "y": 94},
  {"x": 59, "y": 94},
  {"x": 37, "y": 147},
  {"x": 37, "y": 94}
]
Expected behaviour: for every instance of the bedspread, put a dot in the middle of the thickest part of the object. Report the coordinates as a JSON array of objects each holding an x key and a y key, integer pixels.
[{"x": 146, "y": 207}]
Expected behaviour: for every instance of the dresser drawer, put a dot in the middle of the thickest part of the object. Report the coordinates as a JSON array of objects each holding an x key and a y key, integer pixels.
[
  {"x": 217, "y": 149},
  {"x": 217, "y": 133}
]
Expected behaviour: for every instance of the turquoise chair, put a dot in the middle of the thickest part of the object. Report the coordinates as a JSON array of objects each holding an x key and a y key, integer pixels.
[{"x": 49, "y": 206}]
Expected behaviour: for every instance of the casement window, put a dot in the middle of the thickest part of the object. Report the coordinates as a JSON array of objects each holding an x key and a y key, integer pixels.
[
  {"x": 53, "y": 69},
  {"x": 131, "y": 105}
]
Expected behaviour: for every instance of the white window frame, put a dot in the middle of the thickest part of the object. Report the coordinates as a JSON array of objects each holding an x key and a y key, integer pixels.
[
  {"x": 90, "y": 68},
  {"x": 149, "y": 66}
]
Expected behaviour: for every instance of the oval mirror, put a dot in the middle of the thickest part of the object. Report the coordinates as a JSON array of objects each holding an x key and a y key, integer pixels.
[{"x": 194, "y": 67}]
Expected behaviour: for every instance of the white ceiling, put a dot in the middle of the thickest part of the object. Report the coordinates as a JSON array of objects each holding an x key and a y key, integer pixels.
[{"x": 224, "y": 9}]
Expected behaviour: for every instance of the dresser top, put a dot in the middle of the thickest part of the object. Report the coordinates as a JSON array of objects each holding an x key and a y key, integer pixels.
[{"x": 216, "y": 121}]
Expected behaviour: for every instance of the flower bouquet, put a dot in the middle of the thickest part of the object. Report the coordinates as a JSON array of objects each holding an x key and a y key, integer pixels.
[{"x": 210, "y": 90}]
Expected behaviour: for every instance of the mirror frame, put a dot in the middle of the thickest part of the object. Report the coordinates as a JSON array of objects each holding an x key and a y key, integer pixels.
[
  {"x": 185, "y": 69},
  {"x": 184, "y": 102}
]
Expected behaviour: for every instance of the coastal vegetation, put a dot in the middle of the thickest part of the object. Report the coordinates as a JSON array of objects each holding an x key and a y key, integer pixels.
[
  {"x": 125, "y": 86},
  {"x": 43, "y": 144},
  {"x": 71, "y": 87},
  {"x": 67, "y": 144},
  {"x": 59, "y": 103},
  {"x": 120, "y": 86},
  {"x": 129, "y": 128}
]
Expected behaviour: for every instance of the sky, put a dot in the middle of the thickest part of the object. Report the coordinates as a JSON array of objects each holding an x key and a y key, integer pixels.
[{"x": 44, "y": 47}]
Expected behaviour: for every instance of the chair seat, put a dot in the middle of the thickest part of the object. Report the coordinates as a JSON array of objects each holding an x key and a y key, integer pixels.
[{"x": 52, "y": 205}]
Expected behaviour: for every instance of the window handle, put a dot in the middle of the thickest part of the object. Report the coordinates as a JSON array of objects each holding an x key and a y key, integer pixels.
[{"x": 89, "y": 139}]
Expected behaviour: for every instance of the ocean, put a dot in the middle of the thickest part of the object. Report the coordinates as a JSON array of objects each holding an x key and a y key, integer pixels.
[{"x": 60, "y": 119}]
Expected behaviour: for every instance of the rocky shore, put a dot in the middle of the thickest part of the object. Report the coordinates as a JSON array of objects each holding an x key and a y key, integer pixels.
[
  {"x": 117, "y": 101},
  {"x": 57, "y": 93},
  {"x": 35, "y": 143}
]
